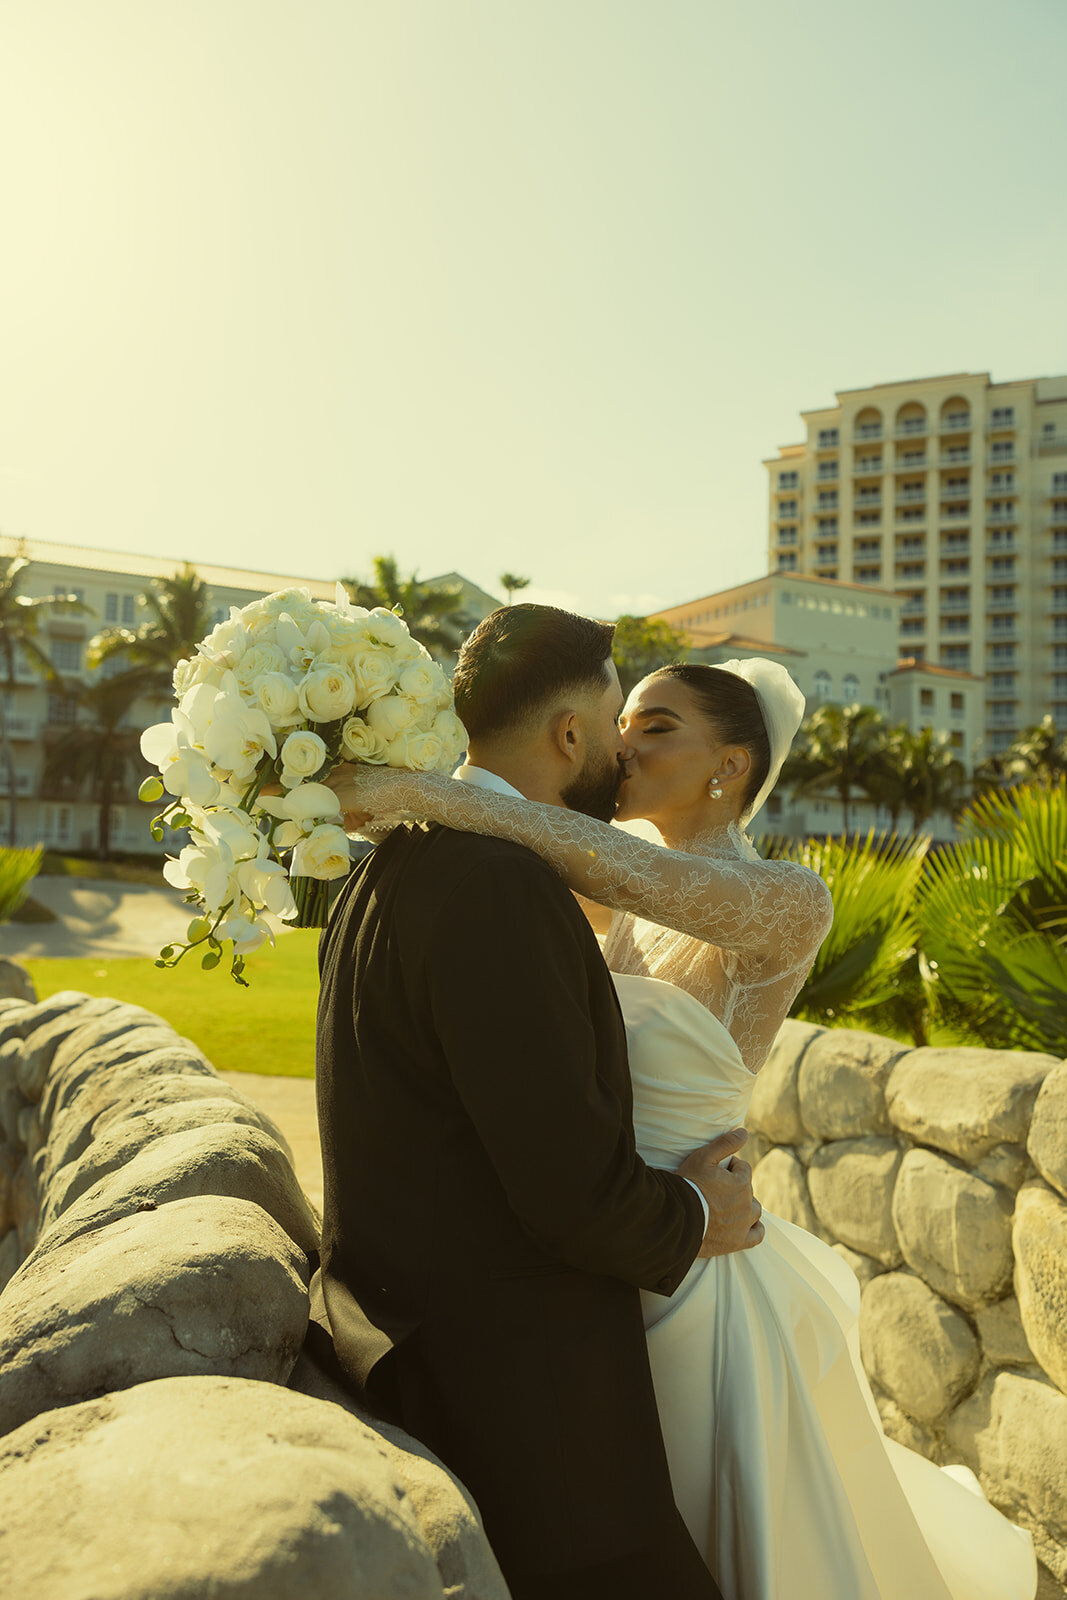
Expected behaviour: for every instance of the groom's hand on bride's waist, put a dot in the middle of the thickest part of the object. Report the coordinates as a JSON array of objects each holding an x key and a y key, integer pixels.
[{"x": 725, "y": 1181}]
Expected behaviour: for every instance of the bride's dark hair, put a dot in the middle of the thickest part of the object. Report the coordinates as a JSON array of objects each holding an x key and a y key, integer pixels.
[{"x": 733, "y": 706}]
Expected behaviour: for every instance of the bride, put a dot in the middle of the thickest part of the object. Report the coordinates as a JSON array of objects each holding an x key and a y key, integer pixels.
[{"x": 778, "y": 1461}]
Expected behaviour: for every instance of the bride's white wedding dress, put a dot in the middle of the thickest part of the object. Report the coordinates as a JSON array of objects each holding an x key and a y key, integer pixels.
[{"x": 779, "y": 1464}]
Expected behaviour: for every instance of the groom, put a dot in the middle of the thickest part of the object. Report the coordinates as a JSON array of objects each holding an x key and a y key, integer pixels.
[{"x": 487, "y": 1221}]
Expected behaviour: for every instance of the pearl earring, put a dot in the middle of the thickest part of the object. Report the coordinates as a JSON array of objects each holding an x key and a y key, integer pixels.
[{"x": 715, "y": 791}]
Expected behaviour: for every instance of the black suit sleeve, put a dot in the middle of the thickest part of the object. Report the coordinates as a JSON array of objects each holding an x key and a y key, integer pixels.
[{"x": 509, "y": 994}]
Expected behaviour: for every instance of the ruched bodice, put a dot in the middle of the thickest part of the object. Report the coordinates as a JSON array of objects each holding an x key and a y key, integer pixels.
[{"x": 689, "y": 1080}]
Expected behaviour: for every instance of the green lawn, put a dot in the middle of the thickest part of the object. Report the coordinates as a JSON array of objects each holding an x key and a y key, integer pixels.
[{"x": 269, "y": 1027}]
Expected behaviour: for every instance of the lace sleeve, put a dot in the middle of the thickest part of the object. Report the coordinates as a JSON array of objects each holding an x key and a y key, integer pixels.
[{"x": 774, "y": 909}]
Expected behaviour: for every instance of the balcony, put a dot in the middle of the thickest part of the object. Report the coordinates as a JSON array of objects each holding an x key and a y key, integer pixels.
[
  {"x": 826, "y": 558},
  {"x": 828, "y": 472},
  {"x": 1001, "y": 606},
  {"x": 867, "y": 466},
  {"x": 1002, "y": 628},
  {"x": 907, "y": 497},
  {"x": 1001, "y": 453},
  {"x": 962, "y": 604},
  {"x": 955, "y": 513},
  {"x": 1050, "y": 445},
  {"x": 828, "y": 439},
  {"x": 1001, "y": 424},
  {"x": 912, "y": 428},
  {"x": 1058, "y": 519},
  {"x": 911, "y": 464},
  {"x": 956, "y": 422},
  {"x": 1001, "y": 541},
  {"x": 1059, "y": 539},
  {"x": 955, "y": 624},
  {"x": 1002, "y": 519},
  {"x": 866, "y": 498},
  {"x": 912, "y": 608},
  {"x": 954, "y": 458},
  {"x": 20, "y": 728},
  {"x": 868, "y": 430}
]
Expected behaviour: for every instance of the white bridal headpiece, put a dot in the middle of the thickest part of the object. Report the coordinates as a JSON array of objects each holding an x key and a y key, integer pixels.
[{"x": 782, "y": 705}]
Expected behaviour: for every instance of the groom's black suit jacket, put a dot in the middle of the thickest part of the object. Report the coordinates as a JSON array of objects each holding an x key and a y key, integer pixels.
[{"x": 487, "y": 1222}]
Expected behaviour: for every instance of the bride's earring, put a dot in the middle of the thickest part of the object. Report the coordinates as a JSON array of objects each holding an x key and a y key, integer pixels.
[{"x": 715, "y": 790}]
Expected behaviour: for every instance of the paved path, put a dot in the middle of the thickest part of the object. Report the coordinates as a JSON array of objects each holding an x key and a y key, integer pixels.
[
  {"x": 291, "y": 1102},
  {"x": 97, "y": 917}
]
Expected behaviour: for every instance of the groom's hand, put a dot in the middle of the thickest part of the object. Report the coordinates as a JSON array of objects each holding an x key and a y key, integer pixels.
[{"x": 733, "y": 1214}]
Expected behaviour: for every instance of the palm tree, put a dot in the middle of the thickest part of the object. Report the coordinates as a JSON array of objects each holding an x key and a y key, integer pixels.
[
  {"x": 20, "y": 635},
  {"x": 180, "y": 616},
  {"x": 1038, "y": 756},
  {"x": 934, "y": 777},
  {"x": 433, "y": 612},
  {"x": 641, "y": 644},
  {"x": 101, "y": 754},
  {"x": 513, "y": 583},
  {"x": 889, "y": 774},
  {"x": 838, "y": 753}
]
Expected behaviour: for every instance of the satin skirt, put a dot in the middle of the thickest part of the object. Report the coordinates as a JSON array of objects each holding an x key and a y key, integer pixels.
[{"x": 779, "y": 1464}]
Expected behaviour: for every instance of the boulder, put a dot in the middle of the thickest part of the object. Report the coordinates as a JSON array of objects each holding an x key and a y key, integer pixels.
[
  {"x": 29, "y": 1130},
  {"x": 447, "y": 1515},
  {"x": 1047, "y": 1144},
  {"x": 966, "y": 1101},
  {"x": 11, "y": 1098},
  {"x": 39, "y": 1046},
  {"x": 25, "y": 1210},
  {"x": 841, "y": 1083},
  {"x": 1013, "y": 1433},
  {"x": 851, "y": 1184},
  {"x": 193, "y": 1486},
  {"x": 774, "y": 1110},
  {"x": 954, "y": 1228},
  {"x": 1040, "y": 1239},
  {"x": 10, "y": 1256},
  {"x": 15, "y": 981},
  {"x": 204, "y": 1285},
  {"x": 10, "y": 1157},
  {"x": 865, "y": 1267},
  {"x": 89, "y": 1072},
  {"x": 89, "y": 1032},
  {"x": 117, "y": 1142},
  {"x": 1003, "y": 1337},
  {"x": 916, "y": 1346},
  {"x": 18, "y": 1020},
  {"x": 1006, "y": 1164},
  {"x": 896, "y": 1424},
  {"x": 222, "y": 1159},
  {"x": 781, "y": 1186}
]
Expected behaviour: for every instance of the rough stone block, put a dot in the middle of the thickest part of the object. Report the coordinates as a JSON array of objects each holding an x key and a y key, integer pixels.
[
  {"x": 841, "y": 1083},
  {"x": 966, "y": 1101},
  {"x": 242, "y": 1163},
  {"x": 865, "y": 1267},
  {"x": 193, "y": 1486},
  {"x": 954, "y": 1228},
  {"x": 1013, "y": 1433},
  {"x": 1003, "y": 1337},
  {"x": 16, "y": 1021},
  {"x": 916, "y": 1346},
  {"x": 204, "y": 1285},
  {"x": 851, "y": 1184},
  {"x": 1047, "y": 1144},
  {"x": 15, "y": 981},
  {"x": 1040, "y": 1239},
  {"x": 88, "y": 1033},
  {"x": 39, "y": 1046},
  {"x": 774, "y": 1109},
  {"x": 781, "y": 1186},
  {"x": 87, "y": 1073},
  {"x": 24, "y": 1206},
  {"x": 1006, "y": 1164},
  {"x": 897, "y": 1425}
]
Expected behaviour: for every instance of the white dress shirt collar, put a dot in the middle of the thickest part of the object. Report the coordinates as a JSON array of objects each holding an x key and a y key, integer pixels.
[{"x": 482, "y": 778}]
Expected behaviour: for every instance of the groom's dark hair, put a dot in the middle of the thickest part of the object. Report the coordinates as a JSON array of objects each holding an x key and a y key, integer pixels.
[{"x": 521, "y": 658}]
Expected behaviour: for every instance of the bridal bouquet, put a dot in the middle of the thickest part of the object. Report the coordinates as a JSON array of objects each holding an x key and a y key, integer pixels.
[{"x": 277, "y": 696}]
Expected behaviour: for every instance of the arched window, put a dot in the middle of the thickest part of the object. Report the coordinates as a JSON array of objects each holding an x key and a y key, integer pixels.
[
  {"x": 911, "y": 418},
  {"x": 851, "y": 687},
  {"x": 823, "y": 686},
  {"x": 869, "y": 423}
]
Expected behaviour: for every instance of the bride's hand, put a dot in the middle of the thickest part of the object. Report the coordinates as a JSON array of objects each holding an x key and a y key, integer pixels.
[{"x": 365, "y": 792}]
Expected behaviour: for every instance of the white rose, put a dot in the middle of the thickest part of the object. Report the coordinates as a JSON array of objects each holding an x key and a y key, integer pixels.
[
  {"x": 423, "y": 681},
  {"x": 374, "y": 674},
  {"x": 385, "y": 627},
  {"x": 347, "y": 629},
  {"x": 303, "y": 804},
  {"x": 323, "y": 853},
  {"x": 451, "y": 732},
  {"x": 302, "y": 756},
  {"x": 360, "y": 742},
  {"x": 327, "y": 694},
  {"x": 188, "y": 672},
  {"x": 392, "y": 715},
  {"x": 278, "y": 698},
  {"x": 257, "y": 661},
  {"x": 419, "y": 751}
]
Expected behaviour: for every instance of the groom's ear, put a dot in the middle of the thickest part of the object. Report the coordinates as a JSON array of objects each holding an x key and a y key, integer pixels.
[{"x": 565, "y": 733}]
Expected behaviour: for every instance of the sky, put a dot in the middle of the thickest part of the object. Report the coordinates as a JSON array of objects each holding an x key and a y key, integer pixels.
[{"x": 488, "y": 285}]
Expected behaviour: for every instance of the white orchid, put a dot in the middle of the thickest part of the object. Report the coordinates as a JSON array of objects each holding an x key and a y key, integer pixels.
[
  {"x": 300, "y": 645},
  {"x": 183, "y": 767}
]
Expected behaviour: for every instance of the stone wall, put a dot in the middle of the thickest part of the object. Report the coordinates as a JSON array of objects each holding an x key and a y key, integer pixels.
[
  {"x": 941, "y": 1178},
  {"x": 160, "y": 1429}
]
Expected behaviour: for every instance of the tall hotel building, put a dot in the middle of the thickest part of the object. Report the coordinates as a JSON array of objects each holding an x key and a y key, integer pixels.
[{"x": 953, "y": 493}]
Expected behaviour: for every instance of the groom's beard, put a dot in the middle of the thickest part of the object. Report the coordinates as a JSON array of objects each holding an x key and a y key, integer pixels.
[{"x": 595, "y": 791}]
